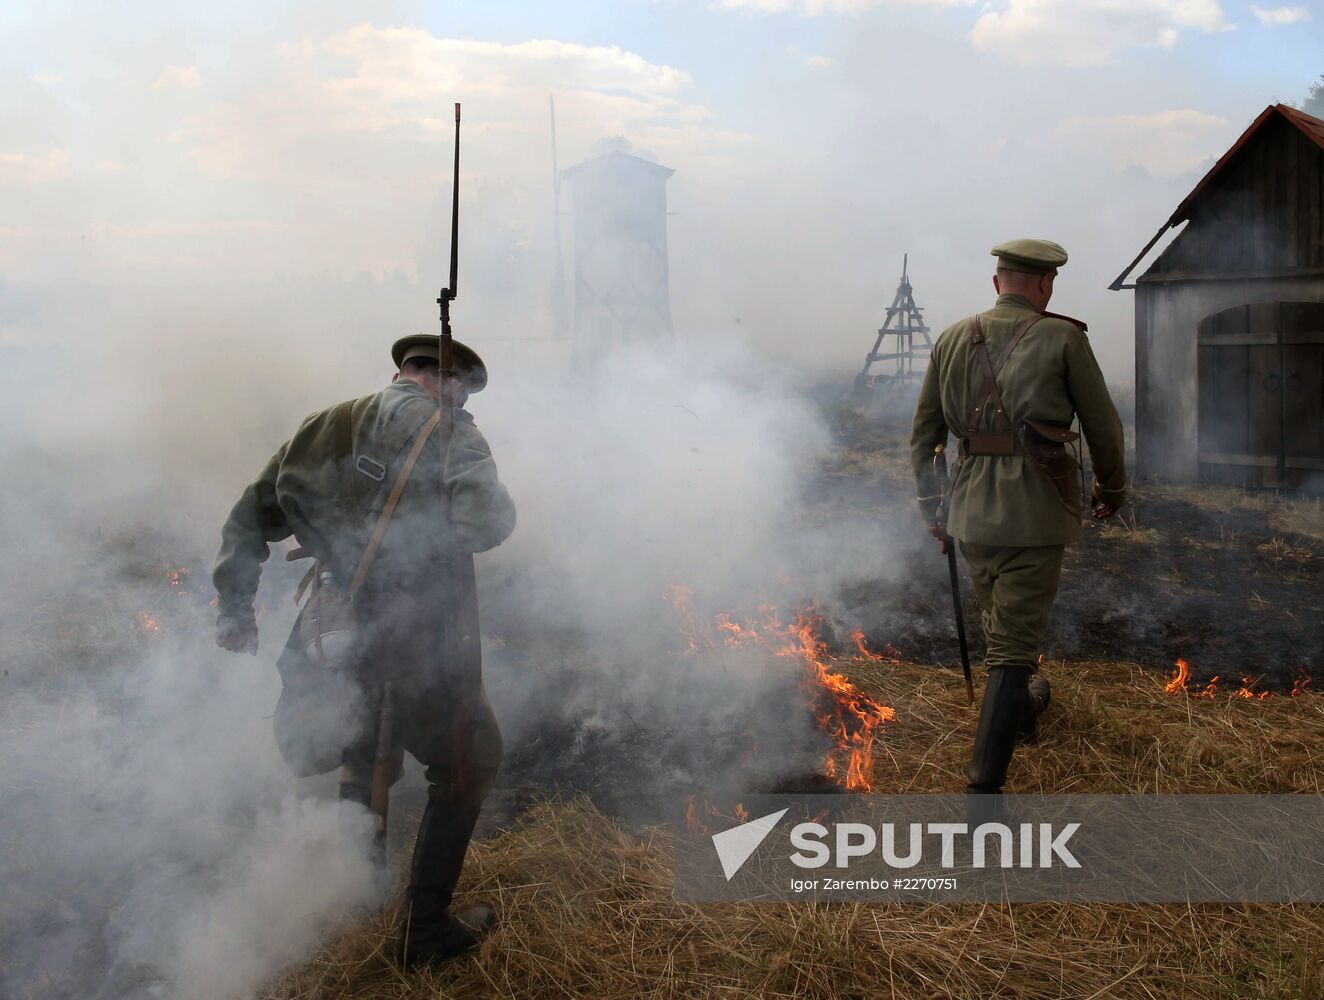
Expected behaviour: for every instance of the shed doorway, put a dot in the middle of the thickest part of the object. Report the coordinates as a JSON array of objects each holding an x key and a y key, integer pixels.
[{"x": 1261, "y": 396}]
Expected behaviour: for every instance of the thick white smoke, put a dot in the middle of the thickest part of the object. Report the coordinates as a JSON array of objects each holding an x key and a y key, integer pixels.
[{"x": 155, "y": 837}]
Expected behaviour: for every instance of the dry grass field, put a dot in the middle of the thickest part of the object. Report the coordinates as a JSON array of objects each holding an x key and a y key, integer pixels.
[
  {"x": 588, "y": 909},
  {"x": 1231, "y": 579},
  {"x": 587, "y": 903}
]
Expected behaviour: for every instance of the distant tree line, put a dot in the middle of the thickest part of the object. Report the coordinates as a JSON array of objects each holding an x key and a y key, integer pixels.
[{"x": 1314, "y": 102}]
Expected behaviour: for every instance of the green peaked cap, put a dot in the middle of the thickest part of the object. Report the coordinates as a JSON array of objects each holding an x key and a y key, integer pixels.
[
  {"x": 1030, "y": 256},
  {"x": 469, "y": 367}
]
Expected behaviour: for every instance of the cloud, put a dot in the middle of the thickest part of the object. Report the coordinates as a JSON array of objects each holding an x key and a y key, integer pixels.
[
  {"x": 178, "y": 78},
  {"x": 1165, "y": 143},
  {"x": 819, "y": 8},
  {"x": 30, "y": 167},
  {"x": 399, "y": 84},
  {"x": 390, "y": 67},
  {"x": 813, "y": 60},
  {"x": 336, "y": 132},
  {"x": 1277, "y": 17},
  {"x": 1088, "y": 32}
]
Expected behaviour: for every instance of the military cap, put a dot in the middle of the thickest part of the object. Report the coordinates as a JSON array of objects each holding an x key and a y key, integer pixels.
[
  {"x": 1030, "y": 256},
  {"x": 469, "y": 367}
]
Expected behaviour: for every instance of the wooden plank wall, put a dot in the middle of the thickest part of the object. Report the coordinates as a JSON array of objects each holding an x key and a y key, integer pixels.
[
  {"x": 1168, "y": 376},
  {"x": 1265, "y": 212}
]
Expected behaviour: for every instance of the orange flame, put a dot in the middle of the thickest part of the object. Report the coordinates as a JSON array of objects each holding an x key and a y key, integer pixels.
[
  {"x": 147, "y": 624},
  {"x": 889, "y": 655},
  {"x": 1250, "y": 688},
  {"x": 681, "y": 598},
  {"x": 1177, "y": 685},
  {"x": 736, "y": 635},
  {"x": 840, "y": 709},
  {"x": 700, "y": 810}
]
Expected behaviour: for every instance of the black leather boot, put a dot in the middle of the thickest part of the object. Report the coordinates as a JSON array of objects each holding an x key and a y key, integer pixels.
[
  {"x": 1005, "y": 696},
  {"x": 429, "y": 932},
  {"x": 1038, "y": 697}
]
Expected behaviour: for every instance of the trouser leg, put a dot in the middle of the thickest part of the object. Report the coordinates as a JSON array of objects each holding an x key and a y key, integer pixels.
[
  {"x": 460, "y": 773},
  {"x": 1015, "y": 588}
]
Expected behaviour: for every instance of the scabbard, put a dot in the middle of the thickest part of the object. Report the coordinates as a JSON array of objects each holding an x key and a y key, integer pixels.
[
  {"x": 383, "y": 763},
  {"x": 960, "y": 621}
]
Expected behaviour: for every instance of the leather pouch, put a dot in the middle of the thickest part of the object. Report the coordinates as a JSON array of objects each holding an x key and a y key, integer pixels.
[{"x": 1047, "y": 446}]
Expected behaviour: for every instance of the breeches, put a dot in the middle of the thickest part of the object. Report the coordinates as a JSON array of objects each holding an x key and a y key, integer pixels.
[
  {"x": 460, "y": 756},
  {"x": 1015, "y": 588}
]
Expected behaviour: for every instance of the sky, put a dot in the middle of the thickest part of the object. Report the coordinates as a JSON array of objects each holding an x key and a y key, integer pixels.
[{"x": 244, "y": 156}]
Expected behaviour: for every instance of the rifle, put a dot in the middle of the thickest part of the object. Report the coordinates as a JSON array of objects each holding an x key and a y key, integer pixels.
[
  {"x": 940, "y": 473},
  {"x": 451, "y": 642},
  {"x": 384, "y": 763}
]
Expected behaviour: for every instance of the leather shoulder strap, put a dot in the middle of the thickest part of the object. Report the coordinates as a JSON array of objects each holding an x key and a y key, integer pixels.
[
  {"x": 342, "y": 431},
  {"x": 989, "y": 391},
  {"x": 384, "y": 519}
]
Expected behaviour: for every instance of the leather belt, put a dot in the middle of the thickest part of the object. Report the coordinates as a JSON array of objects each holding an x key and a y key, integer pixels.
[{"x": 999, "y": 443}]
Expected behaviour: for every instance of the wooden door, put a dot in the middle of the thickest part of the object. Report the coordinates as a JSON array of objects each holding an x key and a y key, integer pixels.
[{"x": 1261, "y": 406}]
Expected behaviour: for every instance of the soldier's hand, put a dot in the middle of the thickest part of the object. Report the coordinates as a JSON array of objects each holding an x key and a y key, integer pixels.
[
  {"x": 1102, "y": 511},
  {"x": 237, "y": 634},
  {"x": 939, "y": 531}
]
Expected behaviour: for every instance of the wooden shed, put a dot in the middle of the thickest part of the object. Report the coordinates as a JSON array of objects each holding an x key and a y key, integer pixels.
[{"x": 1230, "y": 318}]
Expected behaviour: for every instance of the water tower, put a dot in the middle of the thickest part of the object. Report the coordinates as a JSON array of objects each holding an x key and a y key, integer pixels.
[{"x": 622, "y": 285}]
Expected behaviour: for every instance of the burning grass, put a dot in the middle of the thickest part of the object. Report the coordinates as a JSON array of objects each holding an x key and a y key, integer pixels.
[{"x": 589, "y": 911}]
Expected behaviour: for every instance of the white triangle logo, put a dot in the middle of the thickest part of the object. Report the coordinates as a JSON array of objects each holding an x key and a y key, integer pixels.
[{"x": 734, "y": 846}]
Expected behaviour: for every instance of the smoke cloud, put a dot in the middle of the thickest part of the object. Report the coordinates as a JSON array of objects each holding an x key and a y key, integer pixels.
[{"x": 157, "y": 842}]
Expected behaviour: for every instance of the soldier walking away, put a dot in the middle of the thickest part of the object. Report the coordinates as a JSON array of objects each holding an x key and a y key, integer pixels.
[
  {"x": 1007, "y": 384},
  {"x": 361, "y": 494}
]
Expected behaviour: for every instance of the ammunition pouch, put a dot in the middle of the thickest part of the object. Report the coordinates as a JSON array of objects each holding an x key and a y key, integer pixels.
[{"x": 1049, "y": 448}]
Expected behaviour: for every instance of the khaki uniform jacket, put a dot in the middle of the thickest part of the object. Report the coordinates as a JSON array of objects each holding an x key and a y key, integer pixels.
[
  {"x": 329, "y": 506},
  {"x": 1051, "y": 376}
]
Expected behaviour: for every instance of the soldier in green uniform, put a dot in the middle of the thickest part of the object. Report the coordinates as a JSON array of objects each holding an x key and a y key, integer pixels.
[
  {"x": 326, "y": 487},
  {"x": 1007, "y": 384}
]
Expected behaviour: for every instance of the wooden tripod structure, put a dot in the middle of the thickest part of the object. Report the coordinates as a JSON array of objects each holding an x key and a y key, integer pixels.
[{"x": 903, "y": 345}]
